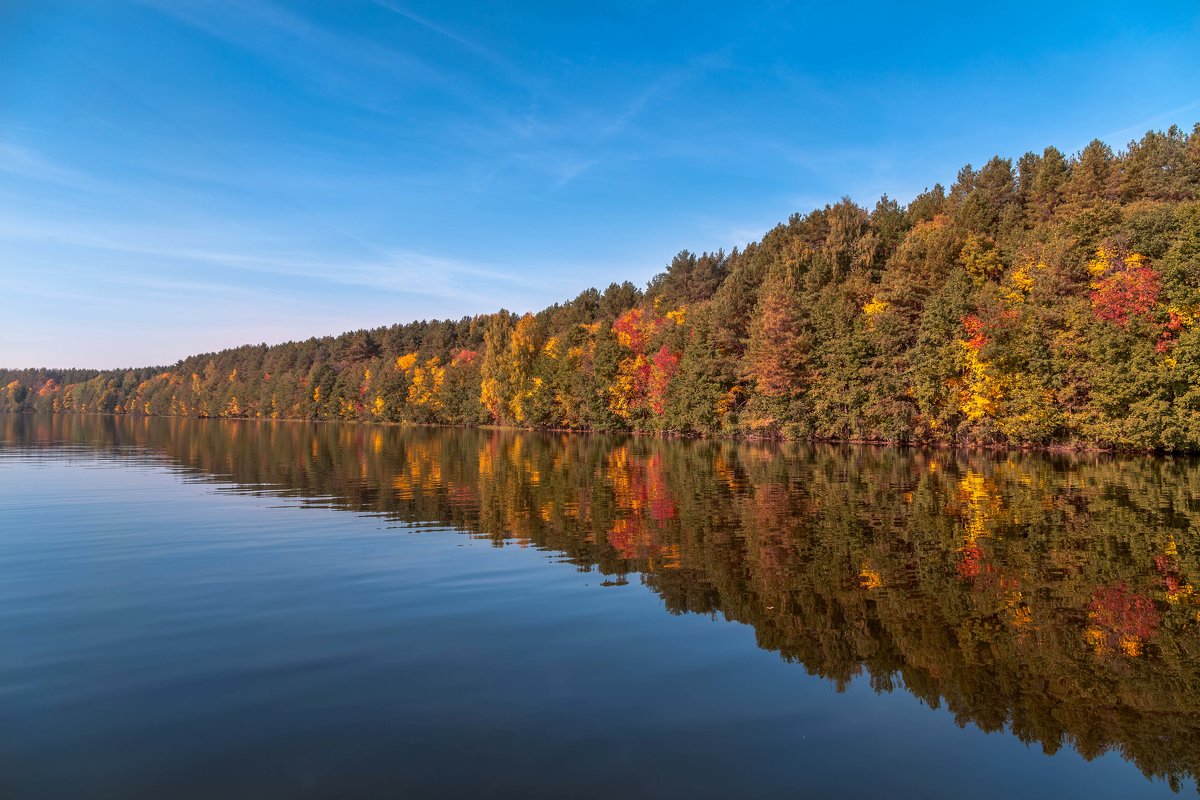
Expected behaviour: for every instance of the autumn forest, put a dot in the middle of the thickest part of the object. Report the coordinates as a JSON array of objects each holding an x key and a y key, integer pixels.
[{"x": 1050, "y": 300}]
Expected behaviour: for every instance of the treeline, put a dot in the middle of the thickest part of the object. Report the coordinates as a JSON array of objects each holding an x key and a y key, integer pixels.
[{"x": 1053, "y": 300}]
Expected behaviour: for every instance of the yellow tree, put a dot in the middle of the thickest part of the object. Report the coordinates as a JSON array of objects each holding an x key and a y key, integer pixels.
[
  {"x": 494, "y": 377},
  {"x": 523, "y": 347},
  {"x": 425, "y": 386}
]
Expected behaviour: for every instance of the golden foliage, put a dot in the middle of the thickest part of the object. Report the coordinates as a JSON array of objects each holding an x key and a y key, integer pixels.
[
  {"x": 874, "y": 307},
  {"x": 869, "y": 578},
  {"x": 982, "y": 390},
  {"x": 426, "y": 385}
]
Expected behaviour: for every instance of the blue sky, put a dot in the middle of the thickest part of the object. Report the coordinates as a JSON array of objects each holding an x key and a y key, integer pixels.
[{"x": 178, "y": 177}]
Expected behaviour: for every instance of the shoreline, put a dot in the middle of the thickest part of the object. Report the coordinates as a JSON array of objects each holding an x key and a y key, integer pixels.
[{"x": 1048, "y": 449}]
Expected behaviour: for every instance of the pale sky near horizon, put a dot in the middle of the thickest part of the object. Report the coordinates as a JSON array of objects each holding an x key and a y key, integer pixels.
[{"x": 179, "y": 177}]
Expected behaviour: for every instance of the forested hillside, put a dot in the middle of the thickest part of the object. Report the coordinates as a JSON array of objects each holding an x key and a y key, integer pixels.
[{"x": 1053, "y": 300}]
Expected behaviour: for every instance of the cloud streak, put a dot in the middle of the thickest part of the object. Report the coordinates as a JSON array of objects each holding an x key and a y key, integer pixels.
[
  {"x": 27, "y": 163},
  {"x": 397, "y": 271}
]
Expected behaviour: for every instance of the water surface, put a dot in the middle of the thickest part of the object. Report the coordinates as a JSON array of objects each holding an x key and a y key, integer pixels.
[{"x": 187, "y": 610}]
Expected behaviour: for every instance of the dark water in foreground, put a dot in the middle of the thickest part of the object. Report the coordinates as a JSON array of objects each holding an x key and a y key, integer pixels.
[{"x": 187, "y": 611}]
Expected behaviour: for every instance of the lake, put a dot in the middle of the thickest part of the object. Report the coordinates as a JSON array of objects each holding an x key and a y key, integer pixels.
[{"x": 236, "y": 609}]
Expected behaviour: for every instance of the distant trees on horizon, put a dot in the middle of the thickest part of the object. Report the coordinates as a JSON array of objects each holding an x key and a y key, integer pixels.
[{"x": 1050, "y": 301}]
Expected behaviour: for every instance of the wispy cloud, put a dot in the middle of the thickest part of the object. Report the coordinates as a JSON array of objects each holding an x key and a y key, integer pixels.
[
  {"x": 319, "y": 59},
  {"x": 27, "y": 163},
  {"x": 1137, "y": 129},
  {"x": 394, "y": 271},
  {"x": 441, "y": 30},
  {"x": 379, "y": 75}
]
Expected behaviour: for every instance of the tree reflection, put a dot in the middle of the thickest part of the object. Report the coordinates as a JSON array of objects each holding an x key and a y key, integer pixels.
[{"x": 1050, "y": 595}]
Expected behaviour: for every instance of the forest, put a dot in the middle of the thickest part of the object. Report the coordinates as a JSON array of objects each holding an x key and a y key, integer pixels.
[{"x": 1050, "y": 301}]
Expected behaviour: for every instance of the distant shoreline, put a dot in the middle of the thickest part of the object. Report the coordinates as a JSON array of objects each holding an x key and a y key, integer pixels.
[{"x": 997, "y": 447}]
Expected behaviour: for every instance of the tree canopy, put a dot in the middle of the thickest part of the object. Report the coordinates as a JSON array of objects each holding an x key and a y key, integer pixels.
[{"x": 1053, "y": 301}]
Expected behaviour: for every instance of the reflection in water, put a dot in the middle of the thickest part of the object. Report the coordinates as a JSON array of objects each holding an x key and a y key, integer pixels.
[{"x": 1050, "y": 595}]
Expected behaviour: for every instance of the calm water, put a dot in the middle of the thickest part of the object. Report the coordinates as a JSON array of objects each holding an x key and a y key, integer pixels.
[{"x": 187, "y": 610}]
